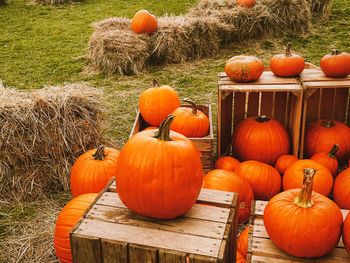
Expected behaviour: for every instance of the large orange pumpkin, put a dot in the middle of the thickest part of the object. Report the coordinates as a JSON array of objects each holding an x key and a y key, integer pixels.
[
  {"x": 246, "y": 3},
  {"x": 260, "y": 138},
  {"x": 159, "y": 174},
  {"x": 227, "y": 163},
  {"x": 336, "y": 64},
  {"x": 263, "y": 178},
  {"x": 240, "y": 258},
  {"x": 321, "y": 135},
  {"x": 328, "y": 159},
  {"x": 284, "y": 161},
  {"x": 302, "y": 222},
  {"x": 229, "y": 181},
  {"x": 144, "y": 22},
  {"x": 190, "y": 122},
  {"x": 68, "y": 217},
  {"x": 242, "y": 242},
  {"x": 346, "y": 233},
  {"x": 322, "y": 182},
  {"x": 341, "y": 190},
  {"x": 157, "y": 103},
  {"x": 92, "y": 170},
  {"x": 244, "y": 68}
]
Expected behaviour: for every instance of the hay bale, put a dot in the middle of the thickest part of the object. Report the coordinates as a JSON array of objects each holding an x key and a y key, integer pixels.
[
  {"x": 113, "y": 23},
  {"x": 51, "y": 2},
  {"x": 42, "y": 133},
  {"x": 320, "y": 8}
]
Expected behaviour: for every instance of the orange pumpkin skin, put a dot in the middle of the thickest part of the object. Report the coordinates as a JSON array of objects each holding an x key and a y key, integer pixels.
[
  {"x": 320, "y": 136},
  {"x": 229, "y": 181},
  {"x": 240, "y": 258},
  {"x": 323, "y": 179},
  {"x": 261, "y": 139},
  {"x": 328, "y": 159},
  {"x": 157, "y": 103},
  {"x": 92, "y": 170},
  {"x": 68, "y": 217},
  {"x": 346, "y": 233},
  {"x": 263, "y": 178},
  {"x": 242, "y": 242},
  {"x": 150, "y": 128},
  {"x": 284, "y": 161},
  {"x": 144, "y": 22},
  {"x": 159, "y": 177},
  {"x": 336, "y": 64},
  {"x": 288, "y": 64},
  {"x": 227, "y": 163},
  {"x": 246, "y": 3},
  {"x": 244, "y": 68},
  {"x": 341, "y": 190}
]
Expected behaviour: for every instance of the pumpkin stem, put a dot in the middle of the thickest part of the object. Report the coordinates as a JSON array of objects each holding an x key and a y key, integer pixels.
[
  {"x": 262, "y": 119},
  {"x": 288, "y": 51},
  {"x": 333, "y": 151},
  {"x": 305, "y": 194},
  {"x": 193, "y": 105},
  {"x": 335, "y": 52},
  {"x": 163, "y": 132},
  {"x": 328, "y": 124},
  {"x": 100, "y": 153},
  {"x": 155, "y": 83}
]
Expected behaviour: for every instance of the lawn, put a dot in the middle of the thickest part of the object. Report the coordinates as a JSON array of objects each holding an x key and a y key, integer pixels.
[{"x": 48, "y": 45}]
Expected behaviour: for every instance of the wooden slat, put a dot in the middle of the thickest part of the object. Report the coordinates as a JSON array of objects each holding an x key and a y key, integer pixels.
[
  {"x": 85, "y": 249},
  {"x": 312, "y": 75},
  {"x": 114, "y": 251},
  {"x": 328, "y": 84},
  {"x": 217, "y": 198},
  {"x": 224, "y": 121},
  {"x": 171, "y": 256},
  {"x": 262, "y": 88},
  {"x": 143, "y": 253}
]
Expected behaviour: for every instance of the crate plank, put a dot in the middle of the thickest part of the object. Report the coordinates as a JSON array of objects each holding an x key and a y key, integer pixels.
[
  {"x": 258, "y": 88},
  {"x": 88, "y": 248},
  {"x": 143, "y": 253},
  {"x": 114, "y": 251},
  {"x": 171, "y": 256}
]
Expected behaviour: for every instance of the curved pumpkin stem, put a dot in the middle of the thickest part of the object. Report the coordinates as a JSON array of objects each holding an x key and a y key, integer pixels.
[
  {"x": 328, "y": 124},
  {"x": 194, "y": 105},
  {"x": 100, "y": 153},
  {"x": 288, "y": 51},
  {"x": 262, "y": 119},
  {"x": 155, "y": 83},
  {"x": 163, "y": 132},
  {"x": 335, "y": 52},
  {"x": 305, "y": 194},
  {"x": 333, "y": 151}
]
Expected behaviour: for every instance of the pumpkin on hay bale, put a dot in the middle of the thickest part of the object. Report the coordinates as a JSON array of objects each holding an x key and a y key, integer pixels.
[{"x": 42, "y": 132}]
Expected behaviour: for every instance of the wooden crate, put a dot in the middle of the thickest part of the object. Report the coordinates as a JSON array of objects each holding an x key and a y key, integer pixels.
[
  {"x": 324, "y": 98},
  {"x": 204, "y": 144},
  {"x": 276, "y": 97},
  {"x": 262, "y": 249},
  {"x": 109, "y": 232}
]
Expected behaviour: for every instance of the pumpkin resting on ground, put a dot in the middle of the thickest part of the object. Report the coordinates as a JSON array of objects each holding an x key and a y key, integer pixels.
[
  {"x": 242, "y": 242},
  {"x": 302, "y": 222},
  {"x": 341, "y": 190},
  {"x": 244, "y": 68},
  {"x": 284, "y": 161},
  {"x": 346, "y": 233},
  {"x": 336, "y": 64},
  {"x": 144, "y": 22},
  {"x": 328, "y": 159}
]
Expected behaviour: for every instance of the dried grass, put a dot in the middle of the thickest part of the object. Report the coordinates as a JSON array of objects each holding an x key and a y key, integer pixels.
[
  {"x": 113, "y": 23},
  {"x": 51, "y": 2},
  {"x": 42, "y": 133},
  {"x": 321, "y": 8}
]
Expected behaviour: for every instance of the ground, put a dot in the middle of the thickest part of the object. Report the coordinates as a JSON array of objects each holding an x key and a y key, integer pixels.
[{"x": 47, "y": 45}]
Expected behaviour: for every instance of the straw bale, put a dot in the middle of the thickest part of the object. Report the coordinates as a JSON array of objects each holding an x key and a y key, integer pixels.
[
  {"x": 321, "y": 8},
  {"x": 51, "y": 2},
  {"x": 113, "y": 23},
  {"x": 42, "y": 132}
]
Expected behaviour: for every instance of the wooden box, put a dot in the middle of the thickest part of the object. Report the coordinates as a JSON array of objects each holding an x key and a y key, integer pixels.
[
  {"x": 262, "y": 249},
  {"x": 109, "y": 232},
  {"x": 324, "y": 98},
  {"x": 273, "y": 96},
  {"x": 204, "y": 144}
]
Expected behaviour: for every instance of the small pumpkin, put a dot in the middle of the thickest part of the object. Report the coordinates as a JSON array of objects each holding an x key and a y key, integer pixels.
[
  {"x": 263, "y": 178},
  {"x": 336, "y": 64},
  {"x": 227, "y": 163},
  {"x": 240, "y": 258},
  {"x": 159, "y": 174},
  {"x": 302, "y": 222},
  {"x": 92, "y": 170},
  {"x": 246, "y": 3},
  {"x": 244, "y": 68},
  {"x": 322, "y": 182},
  {"x": 242, "y": 242},
  {"x": 190, "y": 122},
  {"x": 67, "y": 218},
  {"x": 144, "y": 22},
  {"x": 157, "y": 103},
  {"x": 150, "y": 128},
  {"x": 328, "y": 159},
  {"x": 284, "y": 161},
  {"x": 260, "y": 138},
  {"x": 341, "y": 190},
  {"x": 288, "y": 64},
  {"x": 229, "y": 181},
  {"x": 346, "y": 233}
]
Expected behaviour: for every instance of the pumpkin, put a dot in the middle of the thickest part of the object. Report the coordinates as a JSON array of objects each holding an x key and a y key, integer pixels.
[
  {"x": 92, "y": 170},
  {"x": 144, "y": 22},
  {"x": 263, "y": 178},
  {"x": 328, "y": 159},
  {"x": 157, "y": 103},
  {"x": 150, "y": 128},
  {"x": 260, "y": 138},
  {"x": 322, "y": 182},
  {"x": 240, "y": 258},
  {"x": 242, "y": 242},
  {"x": 346, "y": 233},
  {"x": 246, "y": 3},
  {"x": 67, "y": 218},
  {"x": 227, "y": 163},
  {"x": 244, "y": 68},
  {"x": 320, "y": 136},
  {"x": 229, "y": 181},
  {"x": 284, "y": 161},
  {"x": 159, "y": 173},
  {"x": 288, "y": 64},
  {"x": 341, "y": 190},
  {"x": 302, "y": 222},
  {"x": 336, "y": 64},
  {"x": 190, "y": 122}
]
